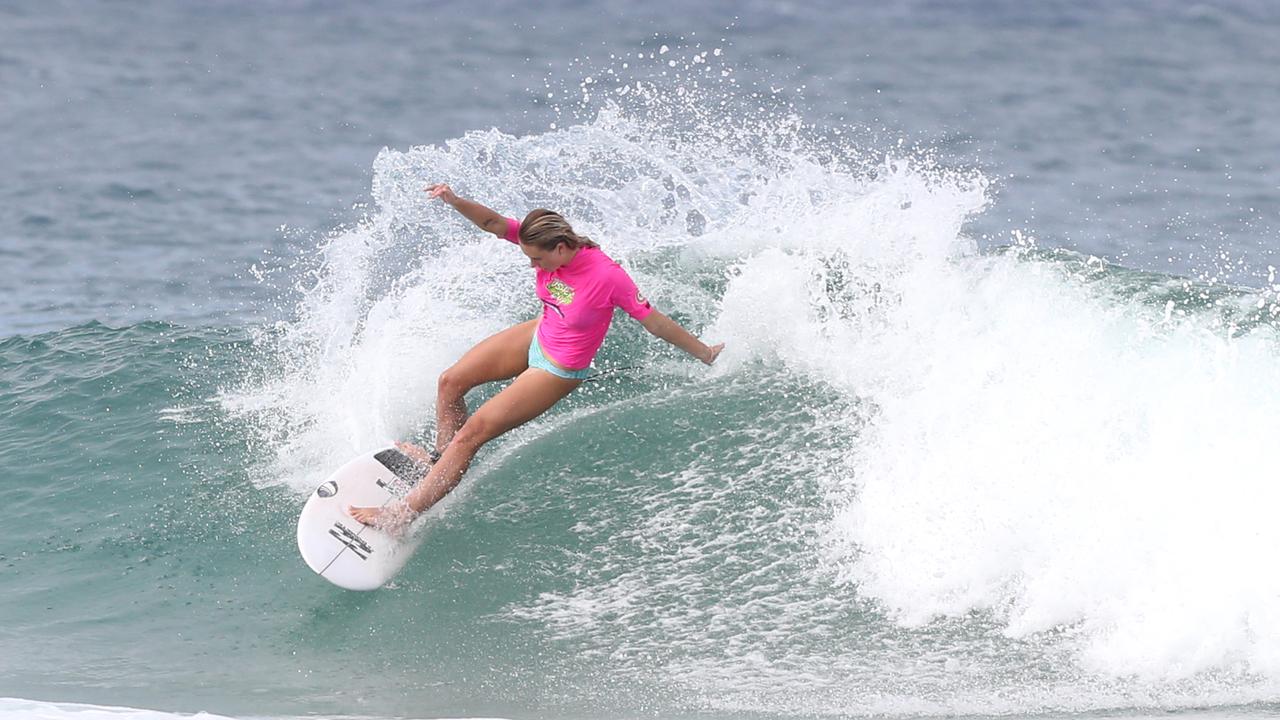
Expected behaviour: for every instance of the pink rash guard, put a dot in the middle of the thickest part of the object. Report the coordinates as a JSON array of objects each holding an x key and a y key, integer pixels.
[{"x": 578, "y": 301}]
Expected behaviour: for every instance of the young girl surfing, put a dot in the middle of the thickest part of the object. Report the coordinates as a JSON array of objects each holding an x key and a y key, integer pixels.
[{"x": 579, "y": 287}]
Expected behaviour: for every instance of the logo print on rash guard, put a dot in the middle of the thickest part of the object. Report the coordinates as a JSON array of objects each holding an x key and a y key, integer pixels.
[{"x": 561, "y": 292}]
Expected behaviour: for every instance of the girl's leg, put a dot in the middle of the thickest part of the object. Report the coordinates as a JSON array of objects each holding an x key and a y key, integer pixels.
[
  {"x": 498, "y": 357},
  {"x": 532, "y": 394}
]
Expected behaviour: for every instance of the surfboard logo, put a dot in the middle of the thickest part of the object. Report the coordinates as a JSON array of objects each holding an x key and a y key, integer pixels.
[
  {"x": 560, "y": 291},
  {"x": 328, "y": 489},
  {"x": 352, "y": 540}
]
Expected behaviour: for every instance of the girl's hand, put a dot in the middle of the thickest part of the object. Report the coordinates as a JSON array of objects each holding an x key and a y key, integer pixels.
[
  {"x": 711, "y": 353},
  {"x": 442, "y": 191}
]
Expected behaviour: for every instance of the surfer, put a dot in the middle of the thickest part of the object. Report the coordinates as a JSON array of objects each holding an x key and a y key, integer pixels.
[{"x": 579, "y": 287}]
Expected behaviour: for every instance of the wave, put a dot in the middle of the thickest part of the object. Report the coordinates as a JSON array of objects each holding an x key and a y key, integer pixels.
[{"x": 950, "y": 474}]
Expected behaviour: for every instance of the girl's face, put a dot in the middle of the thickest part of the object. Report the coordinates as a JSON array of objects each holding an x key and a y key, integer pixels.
[{"x": 549, "y": 260}]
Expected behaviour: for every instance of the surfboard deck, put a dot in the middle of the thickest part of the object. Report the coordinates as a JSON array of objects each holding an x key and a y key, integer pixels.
[{"x": 340, "y": 548}]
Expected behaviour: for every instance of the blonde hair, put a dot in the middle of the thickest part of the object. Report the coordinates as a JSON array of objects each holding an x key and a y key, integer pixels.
[{"x": 545, "y": 229}]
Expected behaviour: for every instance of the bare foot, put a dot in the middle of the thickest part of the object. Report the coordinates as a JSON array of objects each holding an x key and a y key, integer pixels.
[
  {"x": 393, "y": 518},
  {"x": 366, "y": 515}
]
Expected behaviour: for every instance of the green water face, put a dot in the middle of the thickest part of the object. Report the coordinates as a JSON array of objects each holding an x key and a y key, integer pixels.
[{"x": 147, "y": 566}]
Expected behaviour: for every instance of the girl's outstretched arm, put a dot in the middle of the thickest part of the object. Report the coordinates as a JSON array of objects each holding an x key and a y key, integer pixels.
[
  {"x": 483, "y": 217},
  {"x": 664, "y": 327}
]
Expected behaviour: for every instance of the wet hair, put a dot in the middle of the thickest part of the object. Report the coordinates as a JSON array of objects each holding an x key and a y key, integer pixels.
[{"x": 545, "y": 229}]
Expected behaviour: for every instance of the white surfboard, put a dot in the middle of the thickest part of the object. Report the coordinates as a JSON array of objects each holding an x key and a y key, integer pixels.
[{"x": 343, "y": 550}]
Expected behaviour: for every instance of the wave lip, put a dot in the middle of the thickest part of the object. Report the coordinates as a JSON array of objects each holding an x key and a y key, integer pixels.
[
  {"x": 21, "y": 709},
  {"x": 37, "y": 710}
]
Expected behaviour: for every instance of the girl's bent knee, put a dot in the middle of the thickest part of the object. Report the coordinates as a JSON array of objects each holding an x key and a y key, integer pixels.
[
  {"x": 451, "y": 382},
  {"x": 473, "y": 433}
]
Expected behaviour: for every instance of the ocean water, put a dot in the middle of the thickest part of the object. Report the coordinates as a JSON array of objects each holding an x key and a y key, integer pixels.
[{"x": 993, "y": 434}]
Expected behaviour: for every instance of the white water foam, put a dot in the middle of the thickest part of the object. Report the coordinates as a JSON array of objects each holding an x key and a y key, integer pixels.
[{"x": 1069, "y": 460}]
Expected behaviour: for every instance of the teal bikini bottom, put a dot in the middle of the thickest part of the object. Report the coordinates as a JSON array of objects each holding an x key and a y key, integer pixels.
[{"x": 538, "y": 359}]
